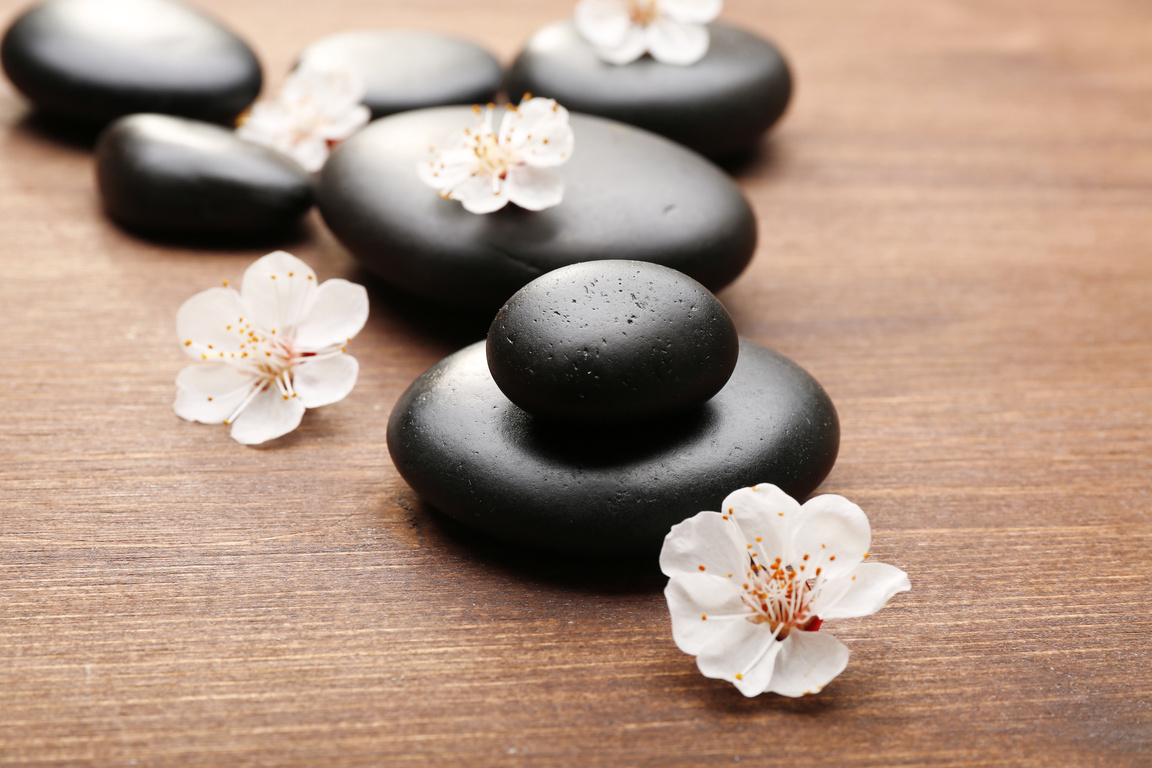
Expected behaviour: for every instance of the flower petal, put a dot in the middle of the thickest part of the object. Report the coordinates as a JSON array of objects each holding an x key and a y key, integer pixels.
[
  {"x": 705, "y": 543},
  {"x": 862, "y": 592},
  {"x": 211, "y": 392},
  {"x": 701, "y": 605},
  {"x": 337, "y": 313},
  {"x": 534, "y": 189},
  {"x": 691, "y": 11},
  {"x": 209, "y": 324},
  {"x": 325, "y": 381},
  {"x": 539, "y": 133},
  {"x": 311, "y": 152},
  {"x": 603, "y": 23},
  {"x": 744, "y": 654},
  {"x": 835, "y": 536},
  {"x": 766, "y": 519},
  {"x": 278, "y": 290},
  {"x": 633, "y": 46},
  {"x": 673, "y": 42},
  {"x": 347, "y": 122},
  {"x": 480, "y": 194},
  {"x": 268, "y": 416},
  {"x": 807, "y": 662},
  {"x": 444, "y": 173}
]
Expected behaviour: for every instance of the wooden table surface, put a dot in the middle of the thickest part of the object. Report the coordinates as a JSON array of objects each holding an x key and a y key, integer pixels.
[{"x": 955, "y": 238}]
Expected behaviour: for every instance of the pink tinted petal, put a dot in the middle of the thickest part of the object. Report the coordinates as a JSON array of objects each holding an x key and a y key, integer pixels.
[
  {"x": 338, "y": 311},
  {"x": 633, "y": 46},
  {"x": 807, "y": 662},
  {"x": 708, "y": 540},
  {"x": 324, "y": 381},
  {"x": 208, "y": 325},
  {"x": 479, "y": 195},
  {"x": 691, "y": 11},
  {"x": 862, "y": 592},
  {"x": 672, "y": 42},
  {"x": 211, "y": 392},
  {"x": 268, "y": 416},
  {"x": 603, "y": 23},
  {"x": 743, "y": 649},
  {"x": 534, "y": 188},
  {"x": 835, "y": 535},
  {"x": 700, "y": 606},
  {"x": 277, "y": 290}
]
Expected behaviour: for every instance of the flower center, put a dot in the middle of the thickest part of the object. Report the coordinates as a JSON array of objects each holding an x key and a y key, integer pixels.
[
  {"x": 492, "y": 158},
  {"x": 644, "y": 12},
  {"x": 781, "y": 598}
]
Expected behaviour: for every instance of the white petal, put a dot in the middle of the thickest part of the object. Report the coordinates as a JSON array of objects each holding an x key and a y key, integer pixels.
[
  {"x": 269, "y": 416},
  {"x": 538, "y": 132},
  {"x": 633, "y": 46},
  {"x": 277, "y": 290},
  {"x": 337, "y": 313},
  {"x": 211, "y": 392},
  {"x": 743, "y": 649},
  {"x": 835, "y": 535},
  {"x": 346, "y": 123},
  {"x": 766, "y": 519},
  {"x": 480, "y": 195},
  {"x": 672, "y": 42},
  {"x": 209, "y": 324},
  {"x": 443, "y": 174},
  {"x": 534, "y": 188},
  {"x": 807, "y": 662},
  {"x": 862, "y": 592},
  {"x": 708, "y": 540},
  {"x": 311, "y": 153},
  {"x": 701, "y": 605},
  {"x": 324, "y": 381},
  {"x": 603, "y": 23},
  {"x": 691, "y": 11}
]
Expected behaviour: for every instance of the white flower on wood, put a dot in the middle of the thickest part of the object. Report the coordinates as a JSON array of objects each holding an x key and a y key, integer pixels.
[
  {"x": 313, "y": 110},
  {"x": 486, "y": 167},
  {"x": 750, "y": 586},
  {"x": 672, "y": 31},
  {"x": 269, "y": 351}
]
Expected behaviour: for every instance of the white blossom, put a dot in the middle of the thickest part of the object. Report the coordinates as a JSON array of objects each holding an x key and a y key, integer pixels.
[
  {"x": 672, "y": 31},
  {"x": 750, "y": 587},
  {"x": 485, "y": 167},
  {"x": 270, "y": 350},
  {"x": 313, "y": 110}
]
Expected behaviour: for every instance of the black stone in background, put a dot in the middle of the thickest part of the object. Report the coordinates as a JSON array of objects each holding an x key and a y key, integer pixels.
[
  {"x": 629, "y": 194},
  {"x": 477, "y": 457},
  {"x": 721, "y": 105},
  {"x": 163, "y": 174},
  {"x": 96, "y": 60},
  {"x": 611, "y": 341},
  {"x": 404, "y": 70}
]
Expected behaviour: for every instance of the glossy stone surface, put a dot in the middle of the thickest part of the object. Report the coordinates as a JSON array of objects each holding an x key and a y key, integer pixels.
[
  {"x": 168, "y": 174},
  {"x": 95, "y": 60},
  {"x": 409, "y": 69},
  {"x": 721, "y": 105},
  {"x": 472, "y": 454},
  {"x": 611, "y": 341},
  {"x": 628, "y": 195}
]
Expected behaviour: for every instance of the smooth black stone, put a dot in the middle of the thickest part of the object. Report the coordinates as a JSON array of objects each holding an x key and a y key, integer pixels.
[
  {"x": 611, "y": 341},
  {"x": 718, "y": 106},
  {"x": 407, "y": 69},
  {"x": 95, "y": 60},
  {"x": 472, "y": 454},
  {"x": 629, "y": 194},
  {"x": 168, "y": 174}
]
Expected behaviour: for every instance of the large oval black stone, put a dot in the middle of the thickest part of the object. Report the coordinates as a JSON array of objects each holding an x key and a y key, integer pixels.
[
  {"x": 408, "y": 69},
  {"x": 628, "y": 194},
  {"x": 718, "y": 106},
  {"x": 95, "y": 60},
  {"x": 172, "y": 175},
  {"x": 469, "y": 452},
  {"x": 611, "y": 341}
]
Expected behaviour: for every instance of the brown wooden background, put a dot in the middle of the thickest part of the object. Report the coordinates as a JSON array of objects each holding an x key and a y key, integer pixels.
[{"x": 956, "y": 239}]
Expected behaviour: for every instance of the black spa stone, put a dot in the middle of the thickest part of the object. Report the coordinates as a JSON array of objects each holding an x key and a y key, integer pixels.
[
  {"x": 611, "y": 341},
  {"x": 718, "y": 106},
  {"x": 166, "y": 174},
  {"x": 628, "y": 194},
  {"x": 95, "y": 60},
  {"x": 477, "y": 457},
  {"x": 407, "y": 69}
]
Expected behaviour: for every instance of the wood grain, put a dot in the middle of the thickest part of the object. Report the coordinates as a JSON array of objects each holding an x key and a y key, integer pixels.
[{"x": 956, "y": 239}]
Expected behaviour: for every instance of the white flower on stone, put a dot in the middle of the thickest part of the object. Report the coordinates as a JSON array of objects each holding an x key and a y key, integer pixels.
[
  {"x": 314, "y": 109},
  {"x": 750, "y": 587},
  {"x": 622, "y": 31},
  {"x": 486, "y": 168},
  {"x": 270, "y": 350}
]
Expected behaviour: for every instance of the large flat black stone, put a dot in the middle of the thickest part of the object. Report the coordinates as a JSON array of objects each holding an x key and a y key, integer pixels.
[
  {"x": 95, "y": 60},
  {"x": 629, "y": 194},
  {"x": 472, "y": 454},
  {"x": 718, "y": 106}
]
